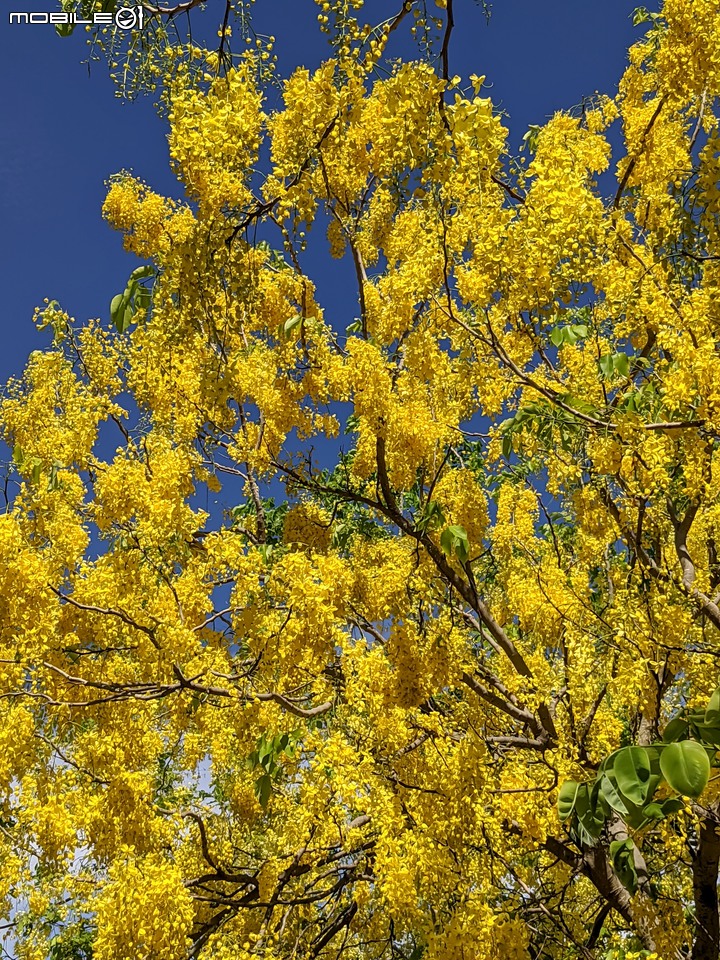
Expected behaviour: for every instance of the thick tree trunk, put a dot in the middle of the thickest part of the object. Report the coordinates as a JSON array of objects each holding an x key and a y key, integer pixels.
[
  {"x": 705, "y": 878},
  {"x": 594, "y": 864}
]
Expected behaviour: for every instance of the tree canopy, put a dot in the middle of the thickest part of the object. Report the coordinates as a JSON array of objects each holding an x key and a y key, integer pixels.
[{"x": 397, "y": 641}]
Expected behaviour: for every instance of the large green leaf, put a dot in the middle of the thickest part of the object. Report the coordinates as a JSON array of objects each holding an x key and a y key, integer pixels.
[
  {"x": 607, "y": 763},
  {"x": 677, "y": 729},
  {"x": 686, "y": 767},
  {"x": 566, "y": 798},
  {"x": 121, "y": 311},
  {"x": 712, "y": 714},
  {"x": 611, "y": 794},
  {"x": 590, "y": 821},
  {"x": 141, "y": 273},
  {"x": 632, "y": 772},
  {"x": 709, "y": 732}
]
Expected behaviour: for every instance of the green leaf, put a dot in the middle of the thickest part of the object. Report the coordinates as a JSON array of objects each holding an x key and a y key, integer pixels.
[
  {"x": 354, "y": 327},
  {"x": 617, "y": 846},
  {"x": 607, "y": 763},
  {"x": 612, "y": 796},
  {"x": 712, "y": 714},
  {"x": 263, "y": 789},
  {"x": 635, "y": 818},
  {"x": 53, "y": 482},
  {"x": 686, "y": 767},
  {"x": 606, "y": 365},
  {"x": 589, "y": 822},
  {"x": 64, "y": 29},
  {"x": 632, "y": 772},
  {"x": 672, "y": 805},
  {"x": 530, "y": 139},
  {"x": 566, "y": 798},
  {"x": 115, "y": 305},
  {"x": 18, "y": 455},
  {"x": 677, "y": 729},
  {"x": 613, "y": 363},
  {"x": 431, "y": 516},
  {"x": 291, "y": 323},
  {"x": 623, "y": 861},
  {"x": 621, "y": 364},
  {"x": 708, "y": 732},
  {"x": 454, "y": 539},
  {"x": 142, "y": 298},
  {"x": 654, "y": 811},
  {"x": 557, "y": 337},
  {"x": 121, "y": 311},
  {"x": 126, "y": 319},
  {"x": 142, "y": 273},
  {"x": 265, "y": 550},
  {"x": 446, "y": 541}
]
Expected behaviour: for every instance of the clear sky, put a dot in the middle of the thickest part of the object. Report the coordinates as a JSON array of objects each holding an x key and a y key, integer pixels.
[{"x": 63, "y": 133}]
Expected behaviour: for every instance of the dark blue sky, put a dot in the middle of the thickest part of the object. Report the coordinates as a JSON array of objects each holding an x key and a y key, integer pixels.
[{"x": 63, "y": 133}]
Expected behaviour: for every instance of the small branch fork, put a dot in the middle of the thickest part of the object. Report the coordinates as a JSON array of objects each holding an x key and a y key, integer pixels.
[
  {"x": 386, "y": 504},
  {"x": 555, "y": 397},
  {"x": 232, "y": 888},
  {"x": 266, "y": 207}
]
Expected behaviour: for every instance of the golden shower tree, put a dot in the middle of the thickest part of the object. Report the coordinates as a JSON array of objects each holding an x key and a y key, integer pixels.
[{"x": 393, "y": 641}]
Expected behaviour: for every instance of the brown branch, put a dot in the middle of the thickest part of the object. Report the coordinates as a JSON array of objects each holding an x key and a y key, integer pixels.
[
  {"x": 223, "y": 55},
  {"x": 258, "y": 504},
  {"x": 705, "y": 865},
  {"x": 510, "y": 191},
  {"x": 521, "y": 714},
  {"x": 269, "y": 205},
  {"x": 698, "y": 125},
  {"x": 500, "y": 638},
  {"x": 681, "y": 528},
  {"x": 292, "y": 707},
  {"x": 387, "y": 493},
  {"x": 189, "y": 815},
  {"x": 523, "y": 743},
  {"x": 185, "y": 7},
  {"x": 343, "y": 919},
  {"x": 593, "y": 864},
  {"x": 631, "y": 165},
  {"x": 645, "y": 558},
  {"x": 444, "y": 52},
  {"x": 108, "y": 611},
  {"x": 362, "y": 279},
  {"x": 675, "y": 425}
]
